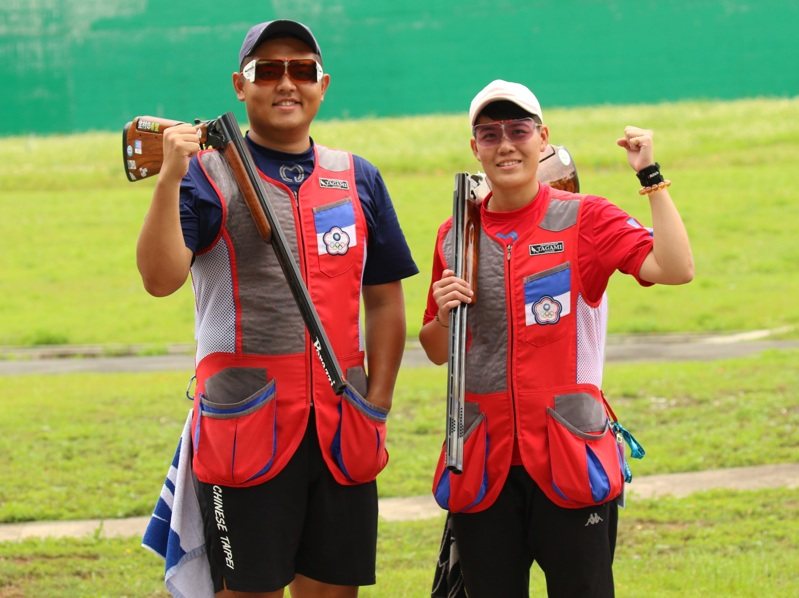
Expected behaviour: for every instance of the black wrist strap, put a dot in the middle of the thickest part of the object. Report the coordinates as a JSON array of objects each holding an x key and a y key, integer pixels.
[{"x": 650, "y": 175}]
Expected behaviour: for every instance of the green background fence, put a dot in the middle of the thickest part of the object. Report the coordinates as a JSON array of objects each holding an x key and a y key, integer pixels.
[{"x": 78, "y": 65}]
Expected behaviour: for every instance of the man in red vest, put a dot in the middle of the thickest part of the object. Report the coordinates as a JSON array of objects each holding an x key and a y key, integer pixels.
[
  {"x": 285, "y": 468},
  {"x": 542, "y": 468}
]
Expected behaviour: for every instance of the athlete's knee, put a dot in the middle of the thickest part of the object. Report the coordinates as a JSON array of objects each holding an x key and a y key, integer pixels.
[{"x": 305, "y": 587}]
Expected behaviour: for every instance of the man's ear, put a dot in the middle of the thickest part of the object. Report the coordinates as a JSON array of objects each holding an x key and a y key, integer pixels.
[
  {"x": 238, "y": 85},
  {"x": 325, "y": 85}
]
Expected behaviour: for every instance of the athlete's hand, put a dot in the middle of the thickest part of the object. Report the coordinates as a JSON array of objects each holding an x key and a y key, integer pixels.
[
  {"x": 639, "y": 145},
  {"x": 180, "y": 142},
  {"x": 449, "y": 292}
]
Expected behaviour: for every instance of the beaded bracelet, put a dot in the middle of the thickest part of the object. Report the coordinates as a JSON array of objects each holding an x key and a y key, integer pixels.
[{"x": 652, "y": 188}]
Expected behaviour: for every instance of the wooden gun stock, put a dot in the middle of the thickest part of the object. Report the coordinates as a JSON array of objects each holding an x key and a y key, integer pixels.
[
  {"x": 248, "y": 191},
  {"x": 143, "y": 149},
  {"x": 556, "y": 168},
  {"x": 143, "y": 145}
]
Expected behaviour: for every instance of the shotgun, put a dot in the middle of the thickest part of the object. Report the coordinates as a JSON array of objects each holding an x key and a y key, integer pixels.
[
  {"x": 466, "y": 235},
  {"x": 143, "y": 151},
  {"x": 557, "y": 169}
]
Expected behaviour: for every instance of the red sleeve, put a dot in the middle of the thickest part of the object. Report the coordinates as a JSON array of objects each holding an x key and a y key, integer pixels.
[
  {"x": 610, "y": 240},
  {"x": 438, "y": 267}
]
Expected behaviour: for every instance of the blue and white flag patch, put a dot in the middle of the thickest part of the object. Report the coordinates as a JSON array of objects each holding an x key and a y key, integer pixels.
[
  {"x": 635, "y": 224},
  {"x": 547, "y": 298},
  {"x": 335, "y": 229}
]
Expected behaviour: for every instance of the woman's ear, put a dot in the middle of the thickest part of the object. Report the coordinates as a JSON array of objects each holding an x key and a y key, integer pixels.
[{"x": 544, "y": 131}]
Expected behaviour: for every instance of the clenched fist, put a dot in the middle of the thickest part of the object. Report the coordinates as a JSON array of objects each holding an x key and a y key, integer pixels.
[{"x": 639, "y": 145}]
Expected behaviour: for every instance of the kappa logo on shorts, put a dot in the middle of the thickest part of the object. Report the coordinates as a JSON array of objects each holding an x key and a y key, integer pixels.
[
  {"x": 544, "y": 248},
  {"x": 333, "y": 184},
  {"x": 593, "y": 519}
]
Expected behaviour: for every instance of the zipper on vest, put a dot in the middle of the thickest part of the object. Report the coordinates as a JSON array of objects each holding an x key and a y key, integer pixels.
[
  {"x": 511, "y": 342},
  {"x": 301, "y": 253}
]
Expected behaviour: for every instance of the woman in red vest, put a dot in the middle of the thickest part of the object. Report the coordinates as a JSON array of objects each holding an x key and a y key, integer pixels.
[{"x": 542, "y": 468}]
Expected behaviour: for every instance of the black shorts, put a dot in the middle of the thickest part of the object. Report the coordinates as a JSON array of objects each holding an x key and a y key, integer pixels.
[
  {"x": 300, "y": 522},
  {"x": 573, "y": 547}
]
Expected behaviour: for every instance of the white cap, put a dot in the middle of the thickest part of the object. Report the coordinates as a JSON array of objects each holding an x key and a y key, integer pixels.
[{"x": 504, "y": 90}]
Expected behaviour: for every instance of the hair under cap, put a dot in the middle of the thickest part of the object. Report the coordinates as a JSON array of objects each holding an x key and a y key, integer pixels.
[
  {"x": 499, "y": 90},
  {"x": 281, "y": 28}
]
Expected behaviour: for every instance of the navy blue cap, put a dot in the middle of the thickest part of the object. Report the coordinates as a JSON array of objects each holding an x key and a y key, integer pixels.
[{"x": 279, "y": 28}]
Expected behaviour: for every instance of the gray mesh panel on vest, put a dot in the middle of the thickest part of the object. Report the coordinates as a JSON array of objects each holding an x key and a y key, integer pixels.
[
  {"x": 269, "y": 318},
  {"x": 561, "y": 214},
  {"x": 215, "y": 327},
  {"x": 591, "y": 332},
  {"x": 486, "y": 359}
]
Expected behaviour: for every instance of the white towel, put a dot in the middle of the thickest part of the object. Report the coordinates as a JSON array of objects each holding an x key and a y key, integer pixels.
[{"x": 175, "y": 529}]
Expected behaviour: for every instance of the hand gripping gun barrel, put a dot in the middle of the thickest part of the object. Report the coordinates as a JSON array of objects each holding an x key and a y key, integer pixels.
[
  {"x": 142, "y": 147},
  {"x": 556, "y": 168}
]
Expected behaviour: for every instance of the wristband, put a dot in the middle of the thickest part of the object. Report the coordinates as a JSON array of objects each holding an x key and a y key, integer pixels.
[
  {"x": 651, "y": 179},
  {"x": 650, "y": 175}
]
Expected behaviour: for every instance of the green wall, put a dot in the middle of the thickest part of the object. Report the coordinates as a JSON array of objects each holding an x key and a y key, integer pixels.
[{"x": 77, "y": 65}]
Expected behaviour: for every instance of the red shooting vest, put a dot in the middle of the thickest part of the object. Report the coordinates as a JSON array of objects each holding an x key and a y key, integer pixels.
[
  {"x": 533, "y": 369},
  {"x": 257, "y": 372}
]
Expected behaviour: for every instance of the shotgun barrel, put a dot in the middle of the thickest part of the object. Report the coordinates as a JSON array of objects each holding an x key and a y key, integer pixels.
[{"x": 466, "y": 235}]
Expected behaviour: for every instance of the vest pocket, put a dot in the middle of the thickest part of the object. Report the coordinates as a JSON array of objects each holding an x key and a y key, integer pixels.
[
  {"x": 235, "y": 442},
  {"x": 359, "y": 443},
  {"x": 461, "y": 492},
  {"x": 336, "y": 237},
  {"x": 584, "y": 455},
  {"x": 547, "y": 303}
]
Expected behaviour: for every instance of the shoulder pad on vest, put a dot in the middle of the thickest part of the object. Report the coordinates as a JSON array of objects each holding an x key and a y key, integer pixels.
[
  {"x": 561, "y": 214},
  {"x": 332, "y": 159}
]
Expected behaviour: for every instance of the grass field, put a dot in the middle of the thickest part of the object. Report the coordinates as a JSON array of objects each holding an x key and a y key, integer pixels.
[
  {"x": 71, "y": 219},
  {"x": 715, "y": 544},
  {"x": 98, "y": 445}
]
